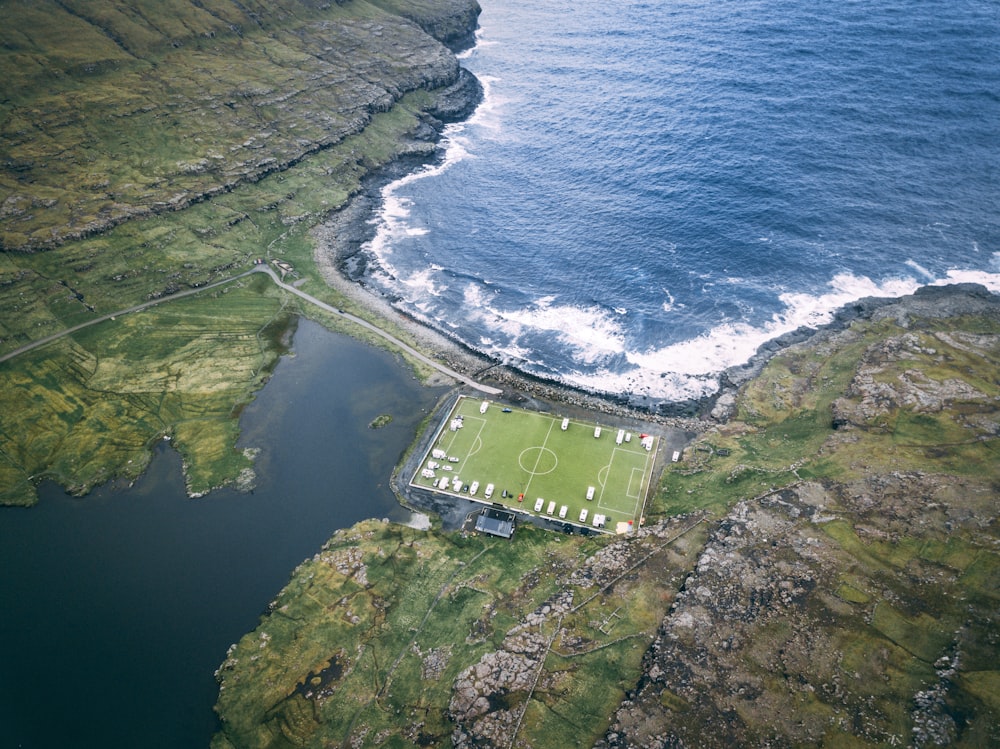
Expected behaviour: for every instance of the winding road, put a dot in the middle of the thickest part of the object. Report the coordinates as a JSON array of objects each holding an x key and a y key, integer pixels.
[{"x": 290, "y": 289}]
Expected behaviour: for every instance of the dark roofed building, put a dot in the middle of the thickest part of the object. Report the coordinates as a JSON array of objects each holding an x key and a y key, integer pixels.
[{"x": 496, "y": 522}]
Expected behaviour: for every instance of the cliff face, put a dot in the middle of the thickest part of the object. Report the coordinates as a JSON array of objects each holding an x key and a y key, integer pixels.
[{"x": 119, "y": 110}]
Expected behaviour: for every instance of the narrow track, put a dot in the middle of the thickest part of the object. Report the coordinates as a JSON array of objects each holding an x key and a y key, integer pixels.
[{"x": 292, "y": 290}]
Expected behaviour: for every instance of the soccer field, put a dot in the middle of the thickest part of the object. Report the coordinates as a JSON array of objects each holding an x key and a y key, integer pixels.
[{"x": 540, "y": 464}]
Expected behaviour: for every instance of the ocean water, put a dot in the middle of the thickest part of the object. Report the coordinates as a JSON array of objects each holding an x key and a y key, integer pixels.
[{"x": 651, "y": 190}]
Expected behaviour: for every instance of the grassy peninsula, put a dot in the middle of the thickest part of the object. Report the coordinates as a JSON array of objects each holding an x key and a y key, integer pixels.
[
  {"x": 820, "y": 569},
  {"x": 147, "y": 148}
]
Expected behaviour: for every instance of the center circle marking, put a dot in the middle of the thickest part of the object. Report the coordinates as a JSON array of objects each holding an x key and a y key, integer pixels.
[{"x": 537, "y": 460}]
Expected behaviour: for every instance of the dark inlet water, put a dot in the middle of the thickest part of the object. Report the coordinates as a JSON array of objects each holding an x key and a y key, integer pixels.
[{"x": 118, "y": 607}]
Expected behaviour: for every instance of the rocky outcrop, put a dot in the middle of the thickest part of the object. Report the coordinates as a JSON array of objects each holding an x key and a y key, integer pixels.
[
  {"x": 785, "y": 634},
  {"x": 452, "y": 22},
  {"x": 874, "y": 393},
  {"x": 927, "y": 302},
  {"x": 856, "y": 604}
]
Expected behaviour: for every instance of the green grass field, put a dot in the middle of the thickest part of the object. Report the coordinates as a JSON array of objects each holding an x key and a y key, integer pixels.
[{"x": 527, "y": 456}]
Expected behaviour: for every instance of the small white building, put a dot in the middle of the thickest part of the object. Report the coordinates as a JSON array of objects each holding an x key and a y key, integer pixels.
[{"x": 677, "y": 456}]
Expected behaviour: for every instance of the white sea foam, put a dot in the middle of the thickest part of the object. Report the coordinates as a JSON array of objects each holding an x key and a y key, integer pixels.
[
  {"x": 990, "y": 280},
  {"x": 590, "y": 334},
  {"x": 920, "y": 269},
  {"x": 393, "y": 221},
  {"x": 668, "y": 306},
  {"x": 423, "y": 284},
  {"x": 690, "y": 369}
]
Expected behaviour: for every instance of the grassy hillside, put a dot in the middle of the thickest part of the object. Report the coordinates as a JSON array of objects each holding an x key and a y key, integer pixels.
[
  {"x": 851, "y": 598},
  {"x": 843, "y": 590},
  {"x": 116, "y": 110},
  {"x": 156, "y": 147},
  {"x": 367, "y": 643}
]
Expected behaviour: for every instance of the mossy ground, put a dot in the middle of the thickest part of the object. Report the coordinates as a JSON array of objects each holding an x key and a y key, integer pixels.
[
  {"x": 158, "y": 147},
  {"x": 883, "y": 441},
  {"x": 403, "y": 612},
  {"x": 784, "y": 431},
  {"x": 86, "y": 409}
]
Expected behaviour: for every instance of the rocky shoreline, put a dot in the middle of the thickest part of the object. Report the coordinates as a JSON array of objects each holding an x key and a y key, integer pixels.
[
  {"x": 341, "y": 259},
  {"x": 340, "y": 256}
]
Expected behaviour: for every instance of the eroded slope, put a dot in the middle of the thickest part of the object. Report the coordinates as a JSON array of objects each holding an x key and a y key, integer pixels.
[{"x": 857, "y": 601}]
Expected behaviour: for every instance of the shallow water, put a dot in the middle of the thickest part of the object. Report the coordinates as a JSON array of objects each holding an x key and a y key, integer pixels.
[{"x": 118, "y": 607}]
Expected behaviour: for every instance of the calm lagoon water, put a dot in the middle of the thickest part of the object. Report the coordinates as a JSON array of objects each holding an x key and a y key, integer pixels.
[{"x": 118, "y": 607}]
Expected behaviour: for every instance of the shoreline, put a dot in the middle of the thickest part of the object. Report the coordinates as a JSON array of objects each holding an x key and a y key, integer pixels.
[{"x": 340, "y": 241}]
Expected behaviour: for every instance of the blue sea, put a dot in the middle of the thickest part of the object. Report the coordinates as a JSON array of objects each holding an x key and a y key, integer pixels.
[{"x": 650, "y": 190}]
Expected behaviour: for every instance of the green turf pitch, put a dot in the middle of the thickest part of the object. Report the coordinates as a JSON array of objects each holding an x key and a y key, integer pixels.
[{"x": 529, "y": 453}]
